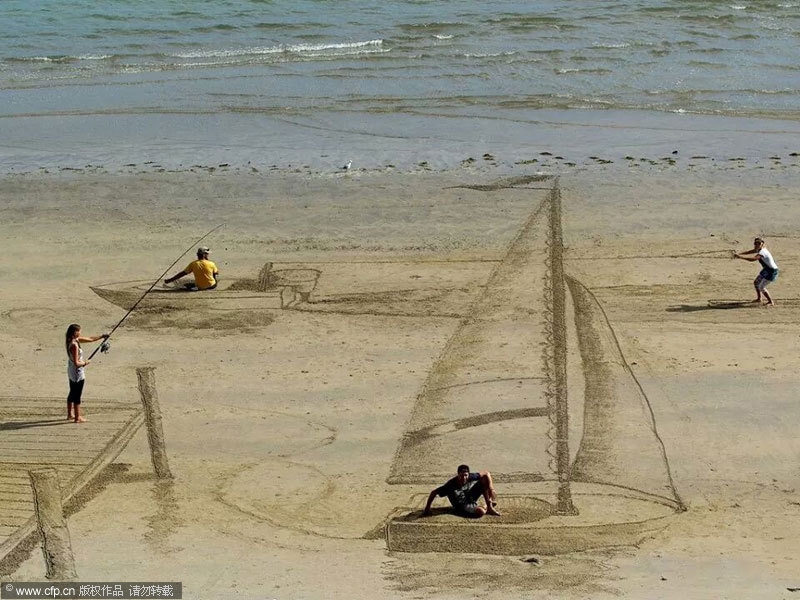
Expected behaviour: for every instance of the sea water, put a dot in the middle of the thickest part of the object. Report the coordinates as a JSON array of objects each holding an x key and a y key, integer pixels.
[{"x": 318, "y": 82}]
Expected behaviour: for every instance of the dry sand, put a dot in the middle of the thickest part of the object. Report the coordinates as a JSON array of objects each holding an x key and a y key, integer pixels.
[{"x": 282, "y": 425}]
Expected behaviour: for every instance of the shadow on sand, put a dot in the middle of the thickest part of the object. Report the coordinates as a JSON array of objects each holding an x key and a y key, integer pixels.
[
  {"x": 11, "y": 425},
  {"x": 713, "y": 305}
]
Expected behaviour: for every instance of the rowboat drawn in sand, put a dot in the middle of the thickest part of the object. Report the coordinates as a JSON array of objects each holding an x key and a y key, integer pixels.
[
  {"x": 273, "y": 288},
  {"x": 587, "y": 473}
]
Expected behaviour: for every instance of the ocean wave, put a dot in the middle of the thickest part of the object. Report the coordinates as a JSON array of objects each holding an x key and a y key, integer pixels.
[
  {"x": 526, "y": 19},
  {"x": 281, "y": 49},
  {"x": 244, "y": 60},
  {"x": 430, "y": 26},
  {"x": 707, "y": 64},
  {"x": 58, "y": 58},
  {"x": 610, "y": 46},
  {"x": 217, "y": 27},
  {"x": 572, "y": 71},
  {"x": 105, "y": 17},
  {"x": 488, "y": 54},
  {"x": 715, "y": 19},
  {"x": 270, "y": 25},
  {"x": 139, "y": 31},
  {"x": 687, "y": 94},
  {"x": 443, "y": 37}
]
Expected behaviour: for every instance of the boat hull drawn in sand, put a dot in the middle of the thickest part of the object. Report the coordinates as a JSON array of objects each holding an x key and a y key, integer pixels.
[
  {"x": 585, "y": 474},
  {"x": 273, "y": 289}
]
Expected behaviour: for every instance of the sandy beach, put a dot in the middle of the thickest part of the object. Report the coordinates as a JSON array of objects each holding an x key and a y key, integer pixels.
[{"x": 282, "y": 425}]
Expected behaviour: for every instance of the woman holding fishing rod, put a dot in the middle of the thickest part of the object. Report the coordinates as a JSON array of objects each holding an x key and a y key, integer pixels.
[
  {"x": 75, "y": 367},
  {"x": 75, "y": 362}
]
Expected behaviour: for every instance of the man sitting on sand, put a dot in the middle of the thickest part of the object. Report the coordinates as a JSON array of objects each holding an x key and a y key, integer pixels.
[
  {"x": 769, "y": 268},
  {"x": 464, "y": 490},
  {"x": 205, "y": 272}
]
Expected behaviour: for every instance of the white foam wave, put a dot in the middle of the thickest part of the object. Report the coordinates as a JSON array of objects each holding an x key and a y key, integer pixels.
[
  {"x": 738, "y": 6},
  {"x": 281, "y": 49},
  {"x": 443, "y": 37},
  {"x": 488, "y": 55},
  {"x": 64, "y": 59},
  {"x": 610, "y": 46}
]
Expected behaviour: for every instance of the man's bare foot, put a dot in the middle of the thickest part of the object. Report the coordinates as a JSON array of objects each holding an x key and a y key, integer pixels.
[
  {"x": 491, "y": 510},
  {"x": 770, "y": 304},
  {"x": 80, "y": 420}
]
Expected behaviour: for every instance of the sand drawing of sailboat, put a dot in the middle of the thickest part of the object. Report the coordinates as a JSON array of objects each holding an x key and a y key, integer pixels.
[{"x": 575, "y": 475}]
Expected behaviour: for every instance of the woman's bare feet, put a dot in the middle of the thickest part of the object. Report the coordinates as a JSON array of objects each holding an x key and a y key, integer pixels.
[
  {"x": 491, "y": 510},
  {"x": 80, "y": 420}
]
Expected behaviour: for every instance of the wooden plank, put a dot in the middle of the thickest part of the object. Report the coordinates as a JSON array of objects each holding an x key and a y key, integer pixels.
[
  {"x": 67, "y": 435},
  {"x": 43, "y": 444},
  {"x": 13, "y": 509},
  {"x": 46, "y": 455},
  {"x": 39, "y": 409},
  {"x": 7, "y": 488},
  {"x": 32, "y": 464},
  {"x": 35, "y": 400},
  {"x": 51, "y": 418},
  {"x": 16, "y": 495},
  {"x": 20, "y": 519}
]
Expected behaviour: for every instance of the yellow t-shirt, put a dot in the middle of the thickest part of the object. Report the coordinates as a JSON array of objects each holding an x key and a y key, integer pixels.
[{"x": 203, "y": 271}]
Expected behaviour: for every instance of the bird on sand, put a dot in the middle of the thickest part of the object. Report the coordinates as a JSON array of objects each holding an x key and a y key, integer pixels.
[{"x": 347, "y": 166}]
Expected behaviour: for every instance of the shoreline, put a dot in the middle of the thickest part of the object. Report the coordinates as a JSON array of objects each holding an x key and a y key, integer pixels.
[{"x": 504, "y": 139}]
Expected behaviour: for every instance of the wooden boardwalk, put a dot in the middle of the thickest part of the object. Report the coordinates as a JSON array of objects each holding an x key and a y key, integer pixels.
[{"x": 34, "y": 433}]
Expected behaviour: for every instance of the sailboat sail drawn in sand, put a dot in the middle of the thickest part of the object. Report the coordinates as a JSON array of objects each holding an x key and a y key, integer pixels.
[{"x": 585, "y": 473}]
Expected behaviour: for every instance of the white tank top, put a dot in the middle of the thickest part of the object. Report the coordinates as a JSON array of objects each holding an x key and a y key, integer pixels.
[{"x": 74, "y": 372}]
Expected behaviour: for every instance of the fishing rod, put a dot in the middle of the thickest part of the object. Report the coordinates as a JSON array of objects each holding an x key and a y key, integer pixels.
[{"x": 104, "y": 347}]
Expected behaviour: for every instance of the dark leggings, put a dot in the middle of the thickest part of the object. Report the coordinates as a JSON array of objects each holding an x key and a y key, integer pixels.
[{"x": 75, "y": 391}]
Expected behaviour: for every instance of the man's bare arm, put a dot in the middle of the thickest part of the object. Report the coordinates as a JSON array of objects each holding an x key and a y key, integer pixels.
[
  {"x": 174, "y": 277},
  {"x": 428, "y": 504}
]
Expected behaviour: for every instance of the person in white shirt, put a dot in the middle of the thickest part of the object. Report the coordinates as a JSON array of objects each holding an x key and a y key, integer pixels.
[
  {"x": 75, "y": 368},
  {"x": 769, "y": 268}
]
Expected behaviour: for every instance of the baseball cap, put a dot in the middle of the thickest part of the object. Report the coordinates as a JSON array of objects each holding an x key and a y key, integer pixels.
[{"x": 203, "y": 250}]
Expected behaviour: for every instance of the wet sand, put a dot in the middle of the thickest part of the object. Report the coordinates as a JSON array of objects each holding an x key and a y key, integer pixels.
[{"x": 282, "y": 425}]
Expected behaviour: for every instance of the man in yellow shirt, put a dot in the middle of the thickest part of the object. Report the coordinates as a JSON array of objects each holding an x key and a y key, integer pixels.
[{"x": 205, "y": 272}]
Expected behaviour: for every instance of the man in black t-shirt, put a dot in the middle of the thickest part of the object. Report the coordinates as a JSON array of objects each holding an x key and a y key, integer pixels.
[{"x": 464, "y": 490}]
